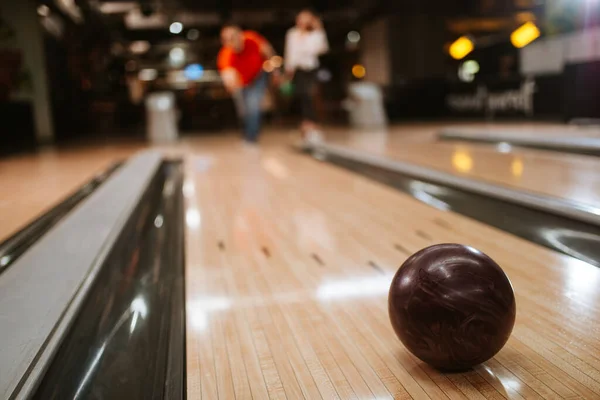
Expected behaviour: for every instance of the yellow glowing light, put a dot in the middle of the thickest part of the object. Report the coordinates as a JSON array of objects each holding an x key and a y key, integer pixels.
[
  {"x": 462, "y": 161},
  {"x": 276, "y": 61},
  {"x": 268, "y": 66},
  {"x": 461, "y": 47},
  {"x": 524, "y": 35},
  {"x": 517, "y": 167},
  {"x": 359, "y": 71}
]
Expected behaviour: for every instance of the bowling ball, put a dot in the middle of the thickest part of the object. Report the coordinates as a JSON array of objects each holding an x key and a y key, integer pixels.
[
  {"x": 287, "y": 89},
  {"x": 452, "y": 306}
]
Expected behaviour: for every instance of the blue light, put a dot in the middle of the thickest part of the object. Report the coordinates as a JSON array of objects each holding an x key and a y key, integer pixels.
[{"x": 193, "y": 72}]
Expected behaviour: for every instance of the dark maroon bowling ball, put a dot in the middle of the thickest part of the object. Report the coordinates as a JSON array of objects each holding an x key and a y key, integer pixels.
[{"x": 452, "y": 306}]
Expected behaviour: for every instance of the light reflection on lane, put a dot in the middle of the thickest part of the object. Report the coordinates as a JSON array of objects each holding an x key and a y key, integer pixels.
[
  {"x": 199, "y": 309},
  {"x": 509, "y": 384},
  {"x": 312, "y": 229},
  {"x": 189, "y": 188},
  {"x": 192, "y": 218},
  {"x": 275, "y": 168},
  {"x": 357, "y": 287}
]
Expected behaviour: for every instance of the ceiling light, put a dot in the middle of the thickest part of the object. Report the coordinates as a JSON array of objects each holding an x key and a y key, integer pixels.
[{"x": 176, "y": 27}]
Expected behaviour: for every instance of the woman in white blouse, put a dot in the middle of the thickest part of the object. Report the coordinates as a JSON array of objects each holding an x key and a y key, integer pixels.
[{"x": 304, "y": 43}]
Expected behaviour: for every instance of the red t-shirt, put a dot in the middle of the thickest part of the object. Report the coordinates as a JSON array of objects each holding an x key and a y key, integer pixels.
[{"x": 249, "y": 62}]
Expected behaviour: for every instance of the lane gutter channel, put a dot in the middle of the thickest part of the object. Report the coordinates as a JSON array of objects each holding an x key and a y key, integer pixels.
[{"x": 128, "y": 338}]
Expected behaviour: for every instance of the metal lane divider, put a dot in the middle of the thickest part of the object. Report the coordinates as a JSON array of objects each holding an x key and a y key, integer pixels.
[{"x": 44, "y": 289}]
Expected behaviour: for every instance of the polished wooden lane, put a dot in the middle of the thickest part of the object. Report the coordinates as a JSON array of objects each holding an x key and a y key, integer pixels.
[
  {"x": 429, "y": 131},
  {"x": 569, "y": 176},
  {"x": 31, "y": 184},
  {"x": 288, "y": 263},
  {"x": 525, "y": 130}
]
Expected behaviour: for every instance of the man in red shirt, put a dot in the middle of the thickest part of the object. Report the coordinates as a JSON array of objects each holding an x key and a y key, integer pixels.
[{"x": 240, "y": 63}]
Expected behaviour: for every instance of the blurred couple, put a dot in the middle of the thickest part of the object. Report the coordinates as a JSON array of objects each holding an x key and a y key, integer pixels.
[{"x": 240, "y": 63}]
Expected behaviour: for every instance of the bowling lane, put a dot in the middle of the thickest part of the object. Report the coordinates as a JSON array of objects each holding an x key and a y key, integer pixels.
[
  {"x": 426, "y": 132},
  {"x": 566, "y": 138},
  {"x": 573, "y": 177},
  {"x": 516, "y": 131},
  {"x": 288, "y": 263},
  {"x": 31, "y": 184}
]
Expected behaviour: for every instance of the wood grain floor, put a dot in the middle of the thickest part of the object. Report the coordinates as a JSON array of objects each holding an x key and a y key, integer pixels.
[
  {"x": 31, "y": 184},
  {"x": 288, "y": 263},
  {"x": 569, "y": 176}
]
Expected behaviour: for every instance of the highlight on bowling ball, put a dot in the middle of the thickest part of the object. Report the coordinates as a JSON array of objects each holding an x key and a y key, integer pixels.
[{"x": 452, "y": 306}]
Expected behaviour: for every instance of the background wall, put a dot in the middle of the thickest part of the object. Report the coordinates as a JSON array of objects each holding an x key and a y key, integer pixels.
[
  {"x": 416, "y": 45},
  {"x": 21, "y": 17},
  {"x": 375, "y": 51}
]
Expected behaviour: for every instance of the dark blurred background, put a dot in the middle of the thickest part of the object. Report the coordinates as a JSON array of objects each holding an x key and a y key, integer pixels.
[{"x": 81, "y": 69}]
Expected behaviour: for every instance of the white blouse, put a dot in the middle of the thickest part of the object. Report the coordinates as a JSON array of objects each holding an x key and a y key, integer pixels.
[{"x": 302, "y": 49}]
